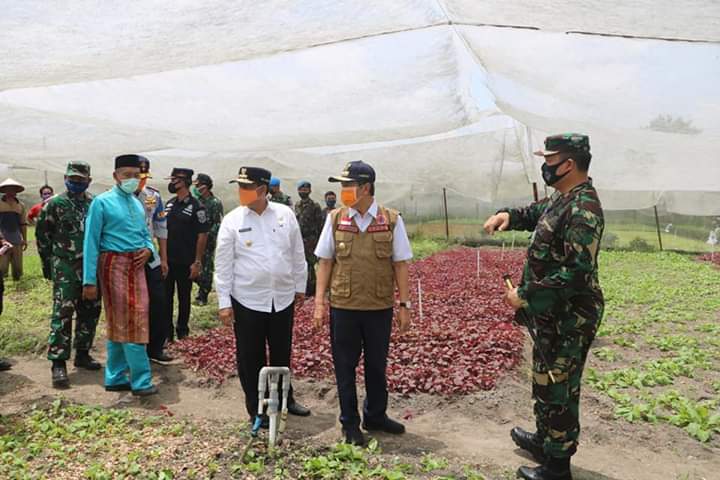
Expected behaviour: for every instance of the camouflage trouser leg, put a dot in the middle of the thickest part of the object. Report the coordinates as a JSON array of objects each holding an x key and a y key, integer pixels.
[
  {"x": 557, "y": 405},
  {"x": 205, "y": 279},
  {"x": 311, "y": 260},
  {"x": 67, "y": 300}
]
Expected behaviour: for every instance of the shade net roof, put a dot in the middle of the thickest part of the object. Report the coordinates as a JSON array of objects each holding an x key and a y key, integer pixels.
[{"x": 453, "y": 93}]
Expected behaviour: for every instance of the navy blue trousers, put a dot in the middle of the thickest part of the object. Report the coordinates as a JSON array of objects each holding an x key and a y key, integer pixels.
[{"x": 353, "y": 332}]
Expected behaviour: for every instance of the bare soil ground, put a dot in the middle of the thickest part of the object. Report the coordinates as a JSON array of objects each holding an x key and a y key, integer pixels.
[{"x": 473, "y": 429}]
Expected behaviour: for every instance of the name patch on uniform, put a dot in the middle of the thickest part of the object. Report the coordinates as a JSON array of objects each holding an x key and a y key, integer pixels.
[
  {"x": 378, "y": 228},
  {"x": 348, "y": 228},
  {"x": 346, "y": 221},
  {"x": 246, "y": 229}
]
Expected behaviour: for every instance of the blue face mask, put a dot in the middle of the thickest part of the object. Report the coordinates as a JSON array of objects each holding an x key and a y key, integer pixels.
[
  {"x": 129, "y": 185},
  {"x": 76, "y": 187}
]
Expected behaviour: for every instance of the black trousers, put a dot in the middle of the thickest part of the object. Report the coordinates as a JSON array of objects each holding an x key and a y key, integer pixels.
[
  {"x": 353, "y": 332},
  {"x": 178, "y": 274},
  {"x": 159, "y": 319},
  {"x": 2, "y": 293},
  {"x": 253, "y": 330}
]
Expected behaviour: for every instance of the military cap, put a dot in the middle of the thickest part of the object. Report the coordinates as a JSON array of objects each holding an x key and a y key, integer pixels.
[
  {"x": 78, "y": 169},
  {"x": 303, "y": 184},
  {"x": 357, "y": 171},
  {"x": 274, "y": 182},
  {"x": 203, "y": 179},
  {"x": 130, "y": 160},
  {"x": 565, "y": 142},
  {"x": 250, "y": 175},
  {"x": 181, "y": 172}
]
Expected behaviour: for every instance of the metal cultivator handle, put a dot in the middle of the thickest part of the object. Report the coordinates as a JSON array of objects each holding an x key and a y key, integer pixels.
[{"x": 270, "y": 377}]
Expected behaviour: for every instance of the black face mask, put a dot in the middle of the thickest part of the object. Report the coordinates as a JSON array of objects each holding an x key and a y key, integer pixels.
[
  {"x": 304, "y": 195},
  {"x": 330, "y": 203},
  {"x": 172, "y": 188},
  {"x": 549, "y": 173}
]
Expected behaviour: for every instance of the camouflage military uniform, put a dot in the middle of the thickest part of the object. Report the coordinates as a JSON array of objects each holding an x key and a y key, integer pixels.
[
  {"x": 60, "y": 230},
  {"x": 280, "y": 197},
  {"x": 214, "y": 208},
  {"x": 311, "y": 220},
  {"x": 560, "y": 289}
]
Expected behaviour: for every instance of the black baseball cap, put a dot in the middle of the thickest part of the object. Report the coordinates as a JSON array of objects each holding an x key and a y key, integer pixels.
[
  {"x": 181, "y": 172},
  {"x": 357, "y": 171},
  {"x": 250, "y": 175}
]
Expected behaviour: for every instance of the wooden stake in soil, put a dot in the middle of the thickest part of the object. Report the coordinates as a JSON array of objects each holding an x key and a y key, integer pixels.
[
  {"x": 478, "y": 263},
  {"x": 420, "y": 311},
  {"x": 502, "y": 251}
]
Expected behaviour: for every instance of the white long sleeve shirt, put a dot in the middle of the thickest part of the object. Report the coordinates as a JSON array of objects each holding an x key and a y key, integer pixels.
[{"x": 260, "y": 259}]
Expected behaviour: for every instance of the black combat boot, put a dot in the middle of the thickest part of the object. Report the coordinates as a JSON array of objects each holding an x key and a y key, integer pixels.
[
  {"x": 528, "y": 442},
  {"x": 354, "y": 436},
  {"x": 59, "y": 374},
  {"x": 84, "y": 360},
  {"x": 552, "y": 469},
  {"x": 5, "y": 364}
]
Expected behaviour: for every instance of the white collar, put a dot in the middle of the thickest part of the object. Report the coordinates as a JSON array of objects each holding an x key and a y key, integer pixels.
[{"x": 372, "y": 211}]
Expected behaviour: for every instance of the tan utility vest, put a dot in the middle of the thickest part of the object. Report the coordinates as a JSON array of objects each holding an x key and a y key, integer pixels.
[{"x": 362, "y": 275}]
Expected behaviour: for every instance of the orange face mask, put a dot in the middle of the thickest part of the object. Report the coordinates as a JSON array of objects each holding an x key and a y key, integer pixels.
[
  {"x": 247, "y": 196},
  {"x": 349, "y": 196}
]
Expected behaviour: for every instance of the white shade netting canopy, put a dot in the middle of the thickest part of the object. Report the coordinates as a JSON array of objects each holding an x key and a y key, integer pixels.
[{"x": 434, "y": 94}]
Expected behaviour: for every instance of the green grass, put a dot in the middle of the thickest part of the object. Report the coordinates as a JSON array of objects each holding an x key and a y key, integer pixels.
[
  {"x": 25, "y": 322},
  {"x": 423, "y": 247},
  {"x": 471, "y": 230}
]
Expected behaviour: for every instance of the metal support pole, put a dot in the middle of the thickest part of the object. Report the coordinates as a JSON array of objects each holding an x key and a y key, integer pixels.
[
  {"x": 535, "y": 192},
  {"x": 447, "y": 223},
  {"x": 657, "y": 225}
]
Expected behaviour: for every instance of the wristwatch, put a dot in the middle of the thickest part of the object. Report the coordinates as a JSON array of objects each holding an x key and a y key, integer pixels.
[{"x": 407, "y": 305}]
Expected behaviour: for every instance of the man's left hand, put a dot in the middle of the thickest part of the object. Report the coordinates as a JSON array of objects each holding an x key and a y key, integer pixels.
[
  {"x": 164, "y": 268},
  {"x": 195, "y": 270},
  {"x": 24, "y": 245},
  {"x": 403, "y": 319},
  {"x": 141, "y": 258},
  {"x": 512, "y": 298}
]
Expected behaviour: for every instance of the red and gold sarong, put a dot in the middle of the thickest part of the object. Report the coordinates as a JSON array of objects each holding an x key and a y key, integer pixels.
[{"x": 125, "y": 297}]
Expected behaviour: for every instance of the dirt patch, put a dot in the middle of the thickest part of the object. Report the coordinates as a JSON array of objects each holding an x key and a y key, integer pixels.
[{"x": 472, "y": 429}]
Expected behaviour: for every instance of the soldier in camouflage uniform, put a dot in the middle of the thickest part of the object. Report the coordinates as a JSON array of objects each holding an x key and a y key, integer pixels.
[
  {"x": 60, "y": 231},
  {"x": 330, "y": 203},
  {"x": 278, "y": 196},
  {"x": 561, "y": 295},
  {"x": 214, "y": 207},
  {"x": 311, "y": 220}
]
